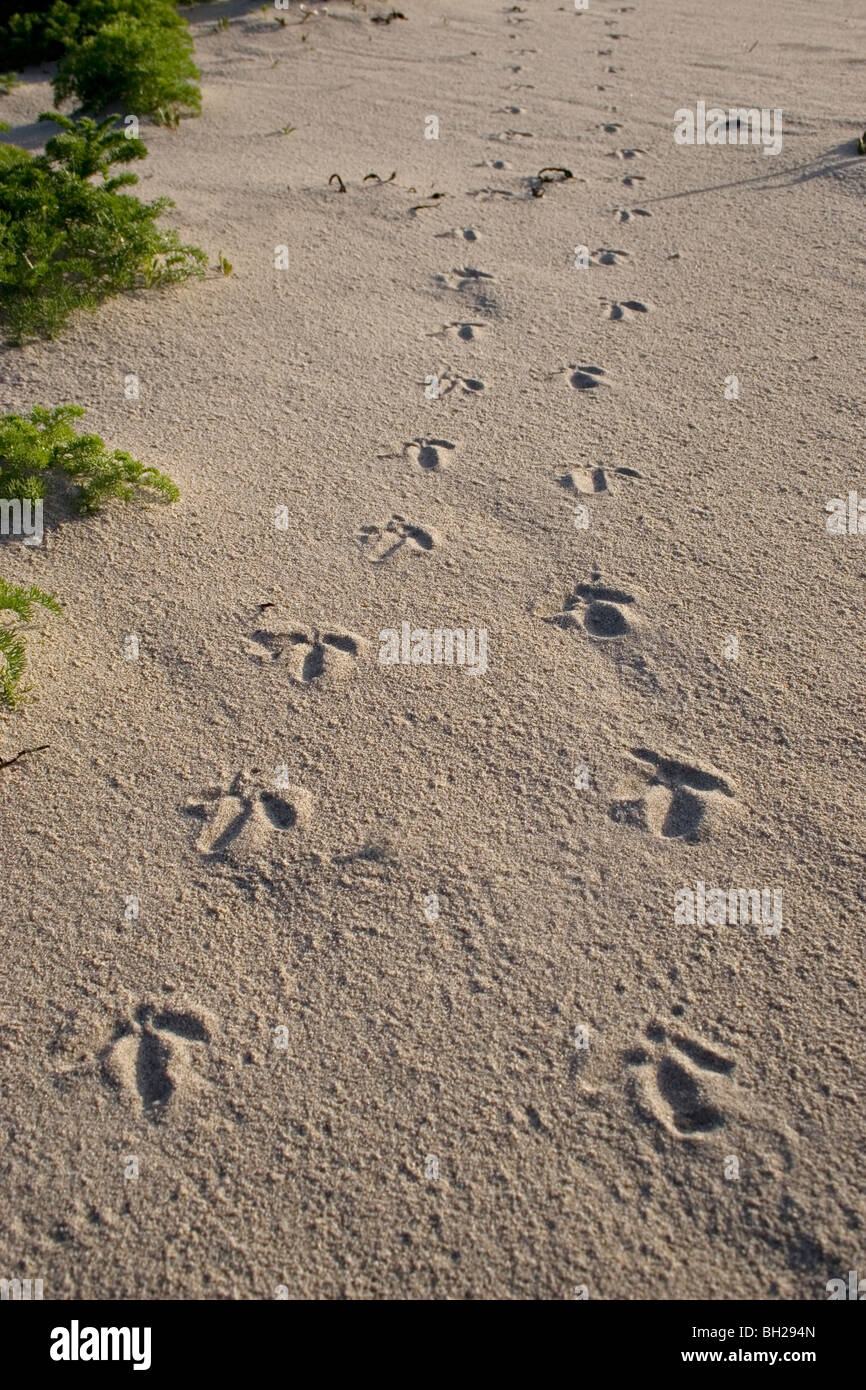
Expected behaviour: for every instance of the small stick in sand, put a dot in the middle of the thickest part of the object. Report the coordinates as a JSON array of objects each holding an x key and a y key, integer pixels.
[
  {"x": 543, "y": 177},
  {"x": 7, "y": 762},
  {"x": 342, "y": 187}
]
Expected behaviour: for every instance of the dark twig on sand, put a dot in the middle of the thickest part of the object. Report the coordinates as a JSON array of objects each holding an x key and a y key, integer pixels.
[
  {"x": 342, "y": 187},
  {"x": 546, "y": 175},
  {"x": 7, "y": 762}
]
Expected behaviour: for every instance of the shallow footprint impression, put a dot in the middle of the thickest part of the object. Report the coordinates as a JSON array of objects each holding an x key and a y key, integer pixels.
[{"x": 678, "y": 1080}]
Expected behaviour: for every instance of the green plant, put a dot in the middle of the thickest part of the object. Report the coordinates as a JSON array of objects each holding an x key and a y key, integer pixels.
[
  {"x": 134, "y": 52},
  {"x": 225, "y": 266},
  {"x": 8, "y": 81},
  {"x": 17, "y": 601},
  {"x": 32, "y": 446},
  {"x": 67, "y": 242},
  {"x": 144, "y": 65},
  {"x": 861, "y": 143}
]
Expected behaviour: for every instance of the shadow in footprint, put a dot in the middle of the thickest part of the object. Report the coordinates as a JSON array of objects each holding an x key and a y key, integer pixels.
[
  {"x": 585, "y": 378},
  {"x": 690, "y": 1112},
  {"x": 280, "y": 813},
  {"x": 154, "y": 1084}
]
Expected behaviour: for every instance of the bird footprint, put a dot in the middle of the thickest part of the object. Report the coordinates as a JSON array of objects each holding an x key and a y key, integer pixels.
[
  {"x": 679, "y": 1082},
  {"x": 152, "y": 1056},
  {"x": 310, "y": 658},
  {"x": 242, "y": 819}
]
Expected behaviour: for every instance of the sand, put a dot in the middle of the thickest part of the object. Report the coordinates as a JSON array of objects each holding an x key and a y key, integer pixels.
[{"x": 330, "y": 978}]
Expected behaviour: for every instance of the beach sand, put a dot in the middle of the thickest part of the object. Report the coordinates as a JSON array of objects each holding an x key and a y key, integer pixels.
[{"x": 341, "y": 979}]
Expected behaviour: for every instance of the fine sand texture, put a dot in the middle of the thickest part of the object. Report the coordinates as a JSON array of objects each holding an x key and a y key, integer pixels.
[{"x": 333, "y": 977}]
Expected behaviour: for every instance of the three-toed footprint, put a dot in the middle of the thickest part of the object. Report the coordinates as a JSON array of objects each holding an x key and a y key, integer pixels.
[
  {"x": 427, "y": 453},
  {"x": 152, "y": 1057},
  {"x": 626, "y": 310},
  {"x": 309, "y": 657},
  {"x": 608, "y": 255},
  {"x": 466, "y": 332},
  {"x": 679, "y": 1082},
  {"x": 381, "y": 542},
  {"x": 584, "y": 378},
  {"x": 596, "y": 608},
  {"x": 460, "y": 234},
  {"x": 464, "y": 278},
  {"x": 444, "y": 382},
  {"x": 593, "y": 480},
  {"x": 670, "y": 798},
  {"x": 244, "y": 818}
]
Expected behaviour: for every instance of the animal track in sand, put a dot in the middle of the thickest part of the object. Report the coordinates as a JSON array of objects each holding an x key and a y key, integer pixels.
[
  {"x": 427, "y": 452},
  {"x": 611, "y": 127},
  {"x": 584, "y": 378},
  {"x": 597, "y": 608},
  {"x": 631, "y": 179},
  {"x": 608, "y": 256},
  {"x": 670, "y": 798},
  {"x": 469, "y": 281},
  {"x": 626, "y": 310},
  {"x": 510, "y": 136},
  {"x": 381, "y": 542},
  {"x": 626, "y": 214},
  {"x": 680, "y": 1082},
  {"x": 488, "y": 194},
  {"x": 626, "y": 154},
  {"x": 246, "y": 819},
  {"x": 449, "y": 381},
  {"x": 320, "y": 657},
  {"x": 460, "y": 234},
  {"x": 593, "y": 480},
  {"x": 151, "y": 1057},
  {"x": 466, "y": 277},
  {"x": 466, "y": 332}
]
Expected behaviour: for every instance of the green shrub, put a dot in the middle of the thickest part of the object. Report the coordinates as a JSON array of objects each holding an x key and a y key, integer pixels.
[
  {"x": 67, "y": 242},
  {"x": 18, "y": 601},
  {"x": 137, "y": 53},
  {"x": 33, "y": 448},
  {"x": 33, "y": 445},
  {"x": 143, "y": 65}
]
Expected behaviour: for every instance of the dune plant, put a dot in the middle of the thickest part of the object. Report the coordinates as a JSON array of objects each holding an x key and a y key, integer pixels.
[
  {"x": 16, "y": 605},
  {"x": 137, "y": 53},
  {"x": 69, "y": 238},
  {"x": 35, "y": 451},
  {"x": 33, "y": 446}
]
